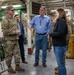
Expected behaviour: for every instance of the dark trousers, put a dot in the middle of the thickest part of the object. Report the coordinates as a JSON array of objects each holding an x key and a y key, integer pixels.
[{"x": 21, "y": 45}]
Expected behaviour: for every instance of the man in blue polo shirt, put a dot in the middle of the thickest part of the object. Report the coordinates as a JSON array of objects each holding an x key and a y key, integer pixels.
[{"x": 42, "y": 25}]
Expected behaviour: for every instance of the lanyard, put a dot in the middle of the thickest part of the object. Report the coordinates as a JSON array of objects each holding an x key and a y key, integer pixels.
[{"x": 41, "y": 22}]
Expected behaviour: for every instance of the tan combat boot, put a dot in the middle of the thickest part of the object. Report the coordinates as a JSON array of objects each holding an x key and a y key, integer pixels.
[
  {"x": 18, "y": 68},
  {"x": 56, "y": 70},
  {"x": 11, "y": 70}
]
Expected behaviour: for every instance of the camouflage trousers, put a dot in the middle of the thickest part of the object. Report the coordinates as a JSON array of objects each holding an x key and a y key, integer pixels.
[{"x": 12, "y": 49}]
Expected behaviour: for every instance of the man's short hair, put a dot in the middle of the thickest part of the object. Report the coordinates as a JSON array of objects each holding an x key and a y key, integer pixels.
[
  {"x": 43, "y": 7},
  {"x": 16, "y": 15}
]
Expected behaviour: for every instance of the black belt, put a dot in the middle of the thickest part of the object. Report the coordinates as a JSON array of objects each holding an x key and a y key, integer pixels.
[{"x": 41, "y": 33}]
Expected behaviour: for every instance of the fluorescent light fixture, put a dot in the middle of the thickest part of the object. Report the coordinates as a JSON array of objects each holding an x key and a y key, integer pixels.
[
  {"x": 12, "y": 5},
  {"x": 56, "y": 0}
]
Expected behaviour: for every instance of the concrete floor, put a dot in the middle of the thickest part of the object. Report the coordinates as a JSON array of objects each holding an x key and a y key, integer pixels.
[{"x": 49, "y": 70}]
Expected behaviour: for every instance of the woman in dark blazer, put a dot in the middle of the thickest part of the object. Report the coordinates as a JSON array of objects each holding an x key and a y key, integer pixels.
[{"x": 59, "y": 40}]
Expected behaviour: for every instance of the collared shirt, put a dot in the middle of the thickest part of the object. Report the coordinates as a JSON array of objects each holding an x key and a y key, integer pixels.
[
  {"x": 19, "y": 28},
  {"x": 41, "y": 24}
]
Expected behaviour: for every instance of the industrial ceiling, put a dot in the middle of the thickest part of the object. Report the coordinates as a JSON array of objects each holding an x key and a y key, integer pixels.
[
  {"x": 57, "y": 3},
  {"x": 48, "y": 3}
]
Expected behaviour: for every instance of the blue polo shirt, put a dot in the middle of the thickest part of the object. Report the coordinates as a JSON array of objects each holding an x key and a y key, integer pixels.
[{"x": 41, "y": 24}]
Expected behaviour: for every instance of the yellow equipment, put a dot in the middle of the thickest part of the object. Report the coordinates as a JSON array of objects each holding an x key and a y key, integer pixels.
[{"x": 71, "y": 47}]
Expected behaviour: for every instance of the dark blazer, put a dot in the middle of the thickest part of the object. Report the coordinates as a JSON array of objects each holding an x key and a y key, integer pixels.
[
  {"x": 21, "y": 42},
  {"x": 22, "y": 32},
  {"x": 59, "y": 33}
]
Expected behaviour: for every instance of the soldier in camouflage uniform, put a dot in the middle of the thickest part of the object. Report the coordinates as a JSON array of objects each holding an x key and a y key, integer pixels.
[{"x": 11, "y": 33}]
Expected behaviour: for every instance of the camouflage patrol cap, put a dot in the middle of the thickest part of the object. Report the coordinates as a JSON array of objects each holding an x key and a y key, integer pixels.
[{"x": 10, "y": 7}]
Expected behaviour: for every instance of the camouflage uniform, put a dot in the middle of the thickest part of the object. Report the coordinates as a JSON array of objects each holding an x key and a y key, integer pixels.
[
  {"x": 70, "y": 30},
  {"x": 9, "y": 28}
]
